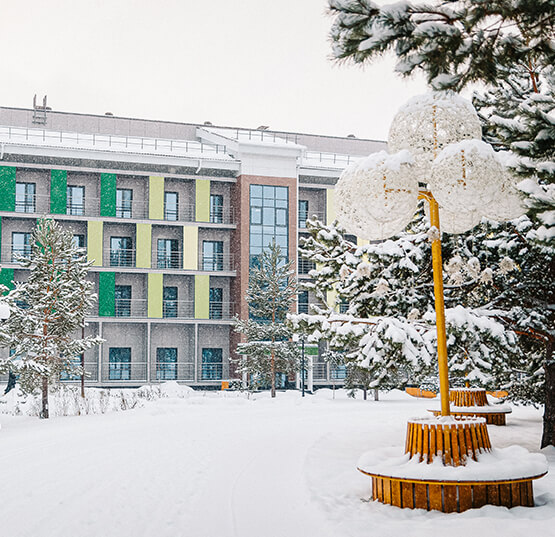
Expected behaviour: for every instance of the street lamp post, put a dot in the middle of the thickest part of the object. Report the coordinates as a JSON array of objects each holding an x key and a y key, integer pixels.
[{"x": 302, "y": 366}]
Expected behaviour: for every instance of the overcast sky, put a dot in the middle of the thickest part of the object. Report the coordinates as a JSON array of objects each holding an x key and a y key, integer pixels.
[{"x": 232, "y": 62}]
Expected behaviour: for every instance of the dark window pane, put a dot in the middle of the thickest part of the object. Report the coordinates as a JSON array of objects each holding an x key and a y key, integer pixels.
[
  {"x": 166, "y": 363},
  {"x": 120, "y": 363},
  {"x": 212, "y": 364},
  {"x": 169, "y": 303},
  {"x": 124, "y": 202}
]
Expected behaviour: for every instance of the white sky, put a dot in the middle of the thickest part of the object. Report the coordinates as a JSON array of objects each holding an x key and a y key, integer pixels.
[{"x": 232, "y": 62}]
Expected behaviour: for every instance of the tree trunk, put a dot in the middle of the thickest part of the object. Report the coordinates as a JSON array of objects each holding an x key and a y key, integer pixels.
[
  {"x": 273, "y": 373},
  {"x": 376, "y": 394},
  {"x": 44, "y": 411},
  {"x": 548, "y": 437},
  {"x": 364, "y": 393}
]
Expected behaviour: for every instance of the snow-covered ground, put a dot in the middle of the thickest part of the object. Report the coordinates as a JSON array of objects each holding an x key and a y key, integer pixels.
[{"x": 219, "y": 464}]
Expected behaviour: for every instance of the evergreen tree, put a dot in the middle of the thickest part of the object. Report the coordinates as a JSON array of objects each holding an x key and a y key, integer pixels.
[
  {"x": 269, "y": 349},
  {"x": 389, "y": 328},
  {"x": 50, "y": 306}
]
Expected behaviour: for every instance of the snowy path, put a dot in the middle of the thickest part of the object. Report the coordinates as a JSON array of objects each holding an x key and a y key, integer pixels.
[{"x": 227, "y": 466}]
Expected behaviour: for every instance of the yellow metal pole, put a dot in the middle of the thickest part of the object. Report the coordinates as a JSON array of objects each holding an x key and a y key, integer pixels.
[{"x": 440, "y": 307}]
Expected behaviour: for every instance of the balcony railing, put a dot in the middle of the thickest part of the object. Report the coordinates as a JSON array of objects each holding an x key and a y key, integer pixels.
[
  {"x": 216, "y": 262},
  {"x": 320, "y": 371},
  {"x": 108, "y": 142},
  {"x": 312, "y": 215},
  {"x": 121, "y": 257},
  {"x": 211, "y": 371},
  {"x": 124, "y": 371},
  {"x": 172, "y": 260},
  {"x": 37, "y": 204},
  {"x": 131, "y": 307},
  {"x": 137, "y": 308},
  {"x": 14, "y": 252},
  {"x": 164, "y": 371}
]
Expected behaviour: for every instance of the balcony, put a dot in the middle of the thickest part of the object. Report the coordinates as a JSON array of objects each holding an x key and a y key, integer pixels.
[
  {"x": 137, "y": 308},
  {"x": 312, "y": 215},
  {"x": 164, "y": 371},
  {"x": 124, "y": 371},
  {"x": 131, "y": 307},
  {"x": 216, "y": 262},
  {"x": 168, "y": 260},
  {"x": 121, "y": 257},
  {"x": 211, "y": 371}
]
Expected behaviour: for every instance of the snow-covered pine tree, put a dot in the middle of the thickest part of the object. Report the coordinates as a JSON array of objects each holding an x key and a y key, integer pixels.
[
  {"x": 506, "y": 45},
  {"x": 389, "y": 328},
  {"x": 382, "y": 284},
  {"x": 269, "y": 348},
  {"x": 51, "y": 306}
]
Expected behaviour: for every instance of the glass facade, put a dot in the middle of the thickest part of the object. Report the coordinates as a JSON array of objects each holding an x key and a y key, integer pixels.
[{"x": 269, "y": 219}]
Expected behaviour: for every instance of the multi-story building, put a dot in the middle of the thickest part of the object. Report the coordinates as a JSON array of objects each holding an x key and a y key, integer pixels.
[{"x": 171, "y": 216}]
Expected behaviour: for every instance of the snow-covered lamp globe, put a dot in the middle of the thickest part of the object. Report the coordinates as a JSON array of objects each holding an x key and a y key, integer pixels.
[
  {"x": 377, "y": 196},
  {"x": 4, "y": 311},
  {"x": 428, "y": 123}
]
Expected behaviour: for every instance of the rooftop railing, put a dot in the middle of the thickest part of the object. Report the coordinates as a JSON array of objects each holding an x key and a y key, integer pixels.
[{"x": 109, "y": 142}]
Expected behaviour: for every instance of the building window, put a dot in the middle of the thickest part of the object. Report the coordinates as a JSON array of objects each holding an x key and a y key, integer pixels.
[
  {"x": 75, "y": 200},
  {"x": 212, "y": 255},
  {"x": 78, "y": 241},
  {"x": 123, "y": 300},
  {"x": 216, "y": 208},
  {"x": 166, "y": 363},
  {"x": 303, "y": 213},
  {"x": 25, "y": 197},
  {"x": 169, "y": 302},
  {"x": 216, "y": 303},
  {"x": 212, "y": 364},
  {"x": 120, "y": 363},
  {"x": 168, "y": 253},
  {"x": 124, "y": 203},
  {"x": 269, "y": 209},
  {"x": 21, "y": 245},
  {"x": 304, "y": 265},
  {"x": 121, "y": 252},
  {"x": 302, "y": 304},
  {"x": 343, "y": 306},
  {"x": 171, "y": 206}
]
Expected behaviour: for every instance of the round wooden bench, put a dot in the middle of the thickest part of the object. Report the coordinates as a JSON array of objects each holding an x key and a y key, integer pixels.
[
  {"x": 468, "y": 402},
  {"x": 455, "y": 441}
]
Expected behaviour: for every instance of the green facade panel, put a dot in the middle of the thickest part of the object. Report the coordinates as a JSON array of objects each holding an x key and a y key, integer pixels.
[
  {"x": 7, "y": 188},
  {"x": 107, "y": 194},
  {"x": 106, "y": 294},
  {"x": 58, "y": 191},
  {"x": 6, "y": 277}
]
